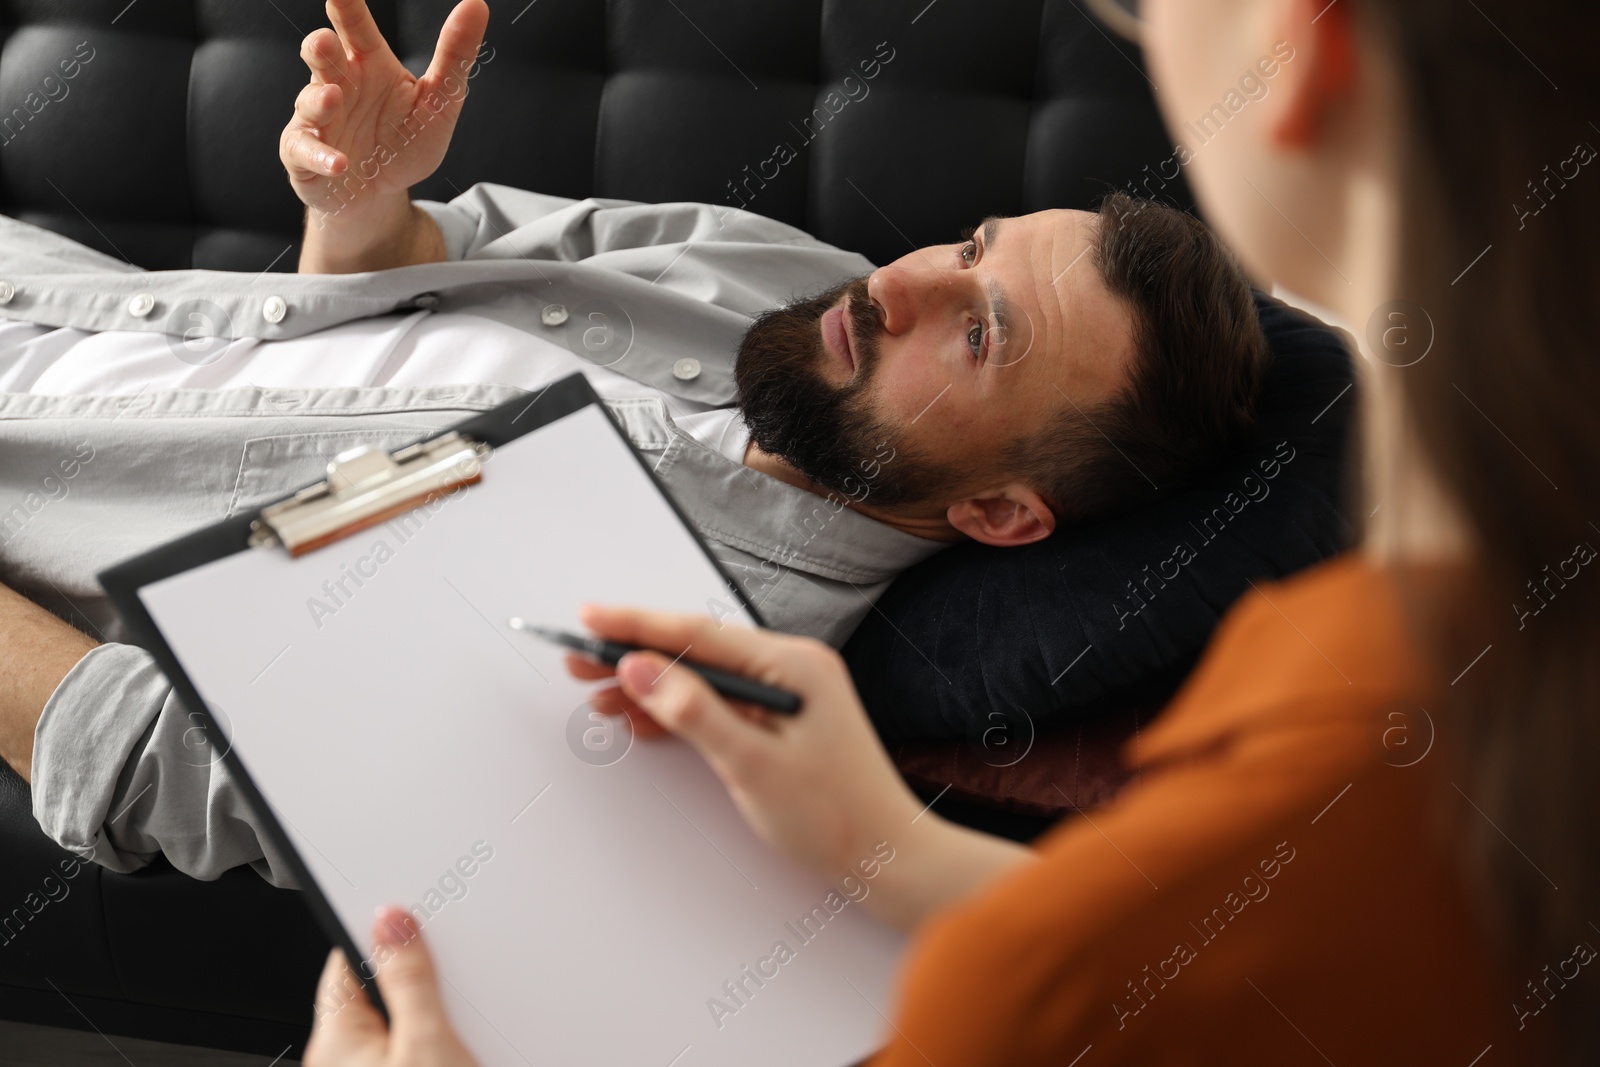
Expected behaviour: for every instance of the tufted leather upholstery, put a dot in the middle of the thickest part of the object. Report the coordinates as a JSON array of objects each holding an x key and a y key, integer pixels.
[{"x": 161, "y": 147}]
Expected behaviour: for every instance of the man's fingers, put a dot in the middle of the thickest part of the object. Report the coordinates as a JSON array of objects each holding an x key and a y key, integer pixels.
[
  {"x": 457, "y": 50},
  {"x": 355, "y": 26},
  {"x": 324, "y": 56},
  {"x": 303, "y": 155},
  {"x": 346, "y": 1023},
  {"x": 406, "y": 978},
  {"x": 318, "y": 104},
  {"x": 756, "y": 654}
]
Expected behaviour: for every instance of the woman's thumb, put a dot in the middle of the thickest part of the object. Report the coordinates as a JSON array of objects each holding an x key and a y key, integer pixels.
[
  {"x": 682, "y": 701},
  {"x": 406, "y": 976},
  {"x": 347, "y": 1025}
]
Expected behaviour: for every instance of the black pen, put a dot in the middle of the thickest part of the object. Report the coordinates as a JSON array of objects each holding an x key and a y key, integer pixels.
[{"x": 733, "y": 686}]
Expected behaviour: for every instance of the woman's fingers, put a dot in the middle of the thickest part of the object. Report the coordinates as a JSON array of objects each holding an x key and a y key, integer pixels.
[
  {"x": 676, "y": 697},
  {"x": 349, "y": 1033},
  {"x": 614, "y": 701},
  {"x": 407, "y": 979},
  {"x": 762, "y": 655},
  {"x": 585, "y": 669},
  {"x": 818, "y": 786},
  {"x": 680, "y": 700},
  {"x": 348, "y": 1029}
]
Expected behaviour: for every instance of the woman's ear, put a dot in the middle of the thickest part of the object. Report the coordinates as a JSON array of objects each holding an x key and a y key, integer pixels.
[
  {"x": 1015, "y": 515},
  {"x": 1322, "y": 72}
]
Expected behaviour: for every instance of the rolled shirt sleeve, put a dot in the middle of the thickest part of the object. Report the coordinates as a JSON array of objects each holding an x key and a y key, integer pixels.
[
  {"x": 491, "y": 221},
  {"x": 486, "y": 213},
  {"x": 123, "y": 772}
]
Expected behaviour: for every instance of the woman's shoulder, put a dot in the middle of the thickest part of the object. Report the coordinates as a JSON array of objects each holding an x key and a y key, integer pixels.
[
  {"x": 1331, "y": 643},
  {"x": 1265, "y": 886}
]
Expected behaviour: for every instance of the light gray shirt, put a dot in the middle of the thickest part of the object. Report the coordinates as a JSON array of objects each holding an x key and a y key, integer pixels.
[{"x": 658, "y": 293}]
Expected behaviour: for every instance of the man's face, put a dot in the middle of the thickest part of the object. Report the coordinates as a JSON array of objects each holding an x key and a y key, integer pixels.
[{"x": 946, "y": 359}]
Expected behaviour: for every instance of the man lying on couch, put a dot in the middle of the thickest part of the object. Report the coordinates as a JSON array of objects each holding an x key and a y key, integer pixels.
[{"x": 1048, "y": 368}]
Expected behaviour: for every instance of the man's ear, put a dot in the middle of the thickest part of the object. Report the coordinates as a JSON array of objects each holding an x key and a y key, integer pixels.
[
  {"x": 1014, "y": 515},
  {"x": 1321, "y": 73}
]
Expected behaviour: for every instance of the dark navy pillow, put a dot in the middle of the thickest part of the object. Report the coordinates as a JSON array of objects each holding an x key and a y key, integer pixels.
[{"x": 1115, "y": 613}]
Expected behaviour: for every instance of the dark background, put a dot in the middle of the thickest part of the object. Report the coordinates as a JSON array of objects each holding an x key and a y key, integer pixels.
[{"x": 164, "y": 149}]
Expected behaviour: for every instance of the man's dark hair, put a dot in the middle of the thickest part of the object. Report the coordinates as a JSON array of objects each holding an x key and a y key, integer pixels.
[{"x": 1198, "y": 359}]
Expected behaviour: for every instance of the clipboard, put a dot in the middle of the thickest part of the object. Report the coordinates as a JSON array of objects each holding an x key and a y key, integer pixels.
[{"x": 585, "y": 902}]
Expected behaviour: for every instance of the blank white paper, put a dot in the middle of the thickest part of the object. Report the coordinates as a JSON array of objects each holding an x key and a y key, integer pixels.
[{"x": 403, "y": 734}]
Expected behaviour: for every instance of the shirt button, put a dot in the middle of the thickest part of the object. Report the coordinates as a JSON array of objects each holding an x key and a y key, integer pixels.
[
  {"x": 274, "y": 308},
  {"x": 141, "y": 305},
  {"x": 686, "y": 369},
  {"x": 7, "y": 291},
  {"x": 427, "y": 301},
  {"x": 553, "y": 314}
]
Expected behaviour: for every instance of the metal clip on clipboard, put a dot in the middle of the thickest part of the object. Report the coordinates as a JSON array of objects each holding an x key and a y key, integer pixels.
[{"x": 367, "y": 486}]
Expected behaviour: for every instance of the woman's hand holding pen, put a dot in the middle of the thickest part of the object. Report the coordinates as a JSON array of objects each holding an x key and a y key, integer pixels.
[{"x": 819, "y": 785}]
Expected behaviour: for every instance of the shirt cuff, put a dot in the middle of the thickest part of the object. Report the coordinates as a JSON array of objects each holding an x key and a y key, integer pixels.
[
  {"x": 89, "y": 728},
  {"x": 455, "y": 225}
]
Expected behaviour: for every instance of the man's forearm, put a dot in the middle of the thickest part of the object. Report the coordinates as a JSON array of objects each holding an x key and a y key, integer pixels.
[
  {"x": 36, "y": 652},
  {"x": 395, "y": 233}
]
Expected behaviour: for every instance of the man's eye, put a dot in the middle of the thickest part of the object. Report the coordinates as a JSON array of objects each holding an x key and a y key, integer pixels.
[
  {"x": 969, "y": 253},
  {"x": 975, "y": 338}
]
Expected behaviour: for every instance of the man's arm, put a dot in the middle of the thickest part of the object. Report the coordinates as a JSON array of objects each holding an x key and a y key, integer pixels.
[
  {"x": 399, "y": 234},
  {"x": 344, "y": 152},
  {"x": 39, "y": 650}
]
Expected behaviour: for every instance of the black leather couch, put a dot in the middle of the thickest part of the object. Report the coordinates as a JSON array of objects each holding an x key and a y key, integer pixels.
[{"x": 160, "y": 148}]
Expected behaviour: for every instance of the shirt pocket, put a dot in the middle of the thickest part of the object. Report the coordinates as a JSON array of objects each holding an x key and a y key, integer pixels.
[{"x": 272, "y": 468}]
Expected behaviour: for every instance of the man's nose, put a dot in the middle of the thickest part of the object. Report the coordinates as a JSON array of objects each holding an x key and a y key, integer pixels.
[{"x": 903, "y": 295}]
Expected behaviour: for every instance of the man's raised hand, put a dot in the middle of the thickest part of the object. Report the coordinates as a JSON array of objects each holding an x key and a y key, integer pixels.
[{"x": 363, "y": 115}]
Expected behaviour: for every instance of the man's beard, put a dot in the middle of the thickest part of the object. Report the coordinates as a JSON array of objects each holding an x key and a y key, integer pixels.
[{"x": 827, "y": 433}]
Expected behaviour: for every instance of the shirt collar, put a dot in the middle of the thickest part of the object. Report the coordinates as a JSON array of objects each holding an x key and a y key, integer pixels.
[{"x": 755, "y": 512}]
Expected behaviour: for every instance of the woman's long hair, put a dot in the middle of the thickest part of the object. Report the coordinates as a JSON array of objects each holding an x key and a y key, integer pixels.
[{"x": 1500, "y": 219}]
